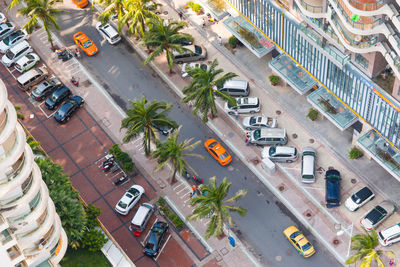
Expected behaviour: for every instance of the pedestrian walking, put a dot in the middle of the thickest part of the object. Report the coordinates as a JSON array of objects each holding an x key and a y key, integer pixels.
[
  {"x": 391, "y": 262},
  {"x": 180, "y": 15},
  {"x": 236, "y": 114},
  {"x": 247, "y": 138},
  {"x": 204, "y": 23},
  {"x": 220, "y": 40}
]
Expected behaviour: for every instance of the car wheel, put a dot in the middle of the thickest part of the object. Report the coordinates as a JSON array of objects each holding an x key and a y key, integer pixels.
[
  {"x": 67, "y": 119},
  {"x": 289, "y": 161},
  {"x": 248, "y": 128},
  {"x": 252, "y": 112},
  {"x": 355, "y": 209},
  {"x": 179, "y": 62},
  {"x": 372, "y": 198},
  {"x": 230, "y": 113}
]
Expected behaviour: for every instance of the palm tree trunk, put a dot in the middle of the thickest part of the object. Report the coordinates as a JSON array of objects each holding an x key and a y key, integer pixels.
[
  {"x": 173, "y": 176},
  {"x": 148, "y": 145}
]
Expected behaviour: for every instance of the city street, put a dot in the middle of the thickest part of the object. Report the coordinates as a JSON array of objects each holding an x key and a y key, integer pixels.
[{"x": 118, "y": 69}]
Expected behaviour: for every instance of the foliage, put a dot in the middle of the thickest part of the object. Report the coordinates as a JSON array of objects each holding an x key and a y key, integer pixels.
[
  {"x": 42, "y": 10},
  {"x": 220, "y": 5},
  {"x": 175, "y": 152},
  {"x": 162, "y": 205},
  {"x": 17, "y": 107},
  {"x": 84, "y": 258},
  {"x": 20, "y": 116},
  {"x": 165, "y": 39},
  {"x": 355, "y": 153},
  {"x": 142, "y": 117},
  {"x": 212, "y": 204},
  {"x": 94, "y": 239},
  {"x": 196, "y": 7},
  {"x": 233, "y": 41},
  {"x": 327, "y": 105},
  {"x": 364, "y": 246},
  {"x": 92, "y": 212},
  {"x": 35, "y": 146},
  {"x": 111, "y": 8},
  {"x": 312, "y": 114},
  {"x": 273, "y": 79},
  {"x": 202, "y": 89},
  {"x": 190, "y": 4},
  {"x": 123, "y": 158},
  {"x": 386, "y": 156}
]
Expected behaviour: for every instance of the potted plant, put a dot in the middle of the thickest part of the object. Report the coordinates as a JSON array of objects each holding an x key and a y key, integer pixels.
[
  {"x": 355, "y": 153},
  {"x": 198, "y": 9},
  {"x": 233, "y": 41},
  {"x": 274, "y": 79},
  {"x": 312, "y": 114}
]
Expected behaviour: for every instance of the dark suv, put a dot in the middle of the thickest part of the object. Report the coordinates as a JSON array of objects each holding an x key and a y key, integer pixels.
[
  {"x": 57, "y": 97},
  {"x": 65, "y": 112},
  {"x": 45, "y": 88},
  {"x": 332, "y": 183},
  {"x": 158, "y": 231}
]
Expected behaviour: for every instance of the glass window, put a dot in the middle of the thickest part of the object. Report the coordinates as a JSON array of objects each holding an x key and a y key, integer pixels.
[{"x": 362, "y": 61}]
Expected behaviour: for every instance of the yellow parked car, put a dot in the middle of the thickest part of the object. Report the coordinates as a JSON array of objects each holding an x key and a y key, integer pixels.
[{"x": 299, "y": 241}]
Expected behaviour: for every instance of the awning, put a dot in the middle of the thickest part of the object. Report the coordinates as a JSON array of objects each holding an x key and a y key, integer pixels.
[
  {"x": 293, "y": 74},
  {"x": 217, "y": 8},
  {"x": 333, "y": 109},
  {"x": 382, "y": 152},
  {"x": 249, "y": 36}
]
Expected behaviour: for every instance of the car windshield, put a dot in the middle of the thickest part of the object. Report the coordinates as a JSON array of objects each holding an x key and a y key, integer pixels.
[
  {"x": 134, "y": 192},
  {"x": 87, "y": 44},
  {"x": 306, "y": 246},
  {"x": 272, "y": 150},
  {"x": 10, "y": 55},
  {"x": 149, "y": 246},
  {"x": 8, "y": 39},
  {"x": 213, "y": 144},
  {"x": 122, "y": 204},
  {"x": 257, "y": 134},
  {"x": 356, "y": 199},
  {"x": 253, "y": 120},
  {"x": 295, "y": 234},
  {"x": 223, "y": 156},
  {"x": 198, "y": 50}
]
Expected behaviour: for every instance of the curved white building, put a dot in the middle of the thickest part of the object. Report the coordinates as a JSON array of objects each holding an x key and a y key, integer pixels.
[{"x": 30, "y": 229}]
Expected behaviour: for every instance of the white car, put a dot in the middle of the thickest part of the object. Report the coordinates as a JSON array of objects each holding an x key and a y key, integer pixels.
[
  {"x": 3, "y": 18},
  {"x": 244, "y": 105},
  {"x": 255, "y": 122},
  {"x": 108, "y": 32},
  {"x": 192, "y": 65},
  {"x": 359, "y": 199},
  {"x": 16, "y": 52},
  {"x": 129, "y": 199},
  {"x": 6, "y": 29},
  {"x": 13, "y": 39},
  {"x": 26, "y": 62}
]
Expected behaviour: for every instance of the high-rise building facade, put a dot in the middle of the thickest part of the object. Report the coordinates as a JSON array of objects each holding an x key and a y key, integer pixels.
[
  {"x": 352, "y": 48},
  {"x": 31, "y": 233}
]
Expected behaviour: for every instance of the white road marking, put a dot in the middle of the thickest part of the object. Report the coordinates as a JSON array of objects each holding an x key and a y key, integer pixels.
[
  {"x": 159, "y": 253},
  {"x": 148, "y": 233}
]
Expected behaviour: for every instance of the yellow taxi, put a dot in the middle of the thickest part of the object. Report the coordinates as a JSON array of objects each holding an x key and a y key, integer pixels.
[
  {"x": 299, "y": 241},
  {"x": 85, "y": 44},
  {"x": 80, "y": 3},
  {"x": 217, "y": 151}
]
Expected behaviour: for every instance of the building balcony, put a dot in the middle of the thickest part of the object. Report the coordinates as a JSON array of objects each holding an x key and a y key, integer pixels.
[
  {"x": 312, "y": 8},
  {"x": 367, "y": 5}
]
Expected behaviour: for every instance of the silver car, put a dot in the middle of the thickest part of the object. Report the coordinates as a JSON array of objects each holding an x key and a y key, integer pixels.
[
  {"x": 255, "y": 122},
  {"x": 377, "y": 215},
  {"x": 6, "y": 29},
  {"x": 280, "y": 153}
]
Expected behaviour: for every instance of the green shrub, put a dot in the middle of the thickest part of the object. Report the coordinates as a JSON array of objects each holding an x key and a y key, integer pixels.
[
  {"x": 190, "y": 4},
  {"x": 196, "y": 7},
  {"x": 233, "y": 41},
  {"x": 355, "y": 153},
  {"x": 274, "y": 79},
  {"x": 123, "y": 158},
  {"x": 312, "y": 114},
  {"x": 17, "y": 107},
  {"x": 162, "y": 205},
  {"x": 20, "y": 116},
  {"x": 94, "y": 240}
]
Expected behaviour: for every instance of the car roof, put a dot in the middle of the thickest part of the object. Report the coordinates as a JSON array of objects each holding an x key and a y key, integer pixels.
[
  {"x": 19, "y": 46},
  {"x": 109, "y": 29},
  {"x": 266, "y": 132},
  {"x": 141, "y": 213},
  {"x": 7, "y": 25},
  {"x": 247, "y": 100},
  {"x": 236, "y": 84},
  {"x": 285, "y": 150},
  {"x": 81, "y": 36},
  {"x": 392, "y": 230}
]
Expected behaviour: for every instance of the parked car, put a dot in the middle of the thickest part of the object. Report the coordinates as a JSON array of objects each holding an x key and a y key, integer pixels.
[
  {"x": 108, "y": 32},
  {"x": 26, "y": 62},
  {"x": 308, "y": 159},
  {"x": 165, "y": 130},
  {"x": 280, "y": 153},
  {"x": 16, "y": 52},
  {"x": 3, "y": 18},
  {"x": 65, "y": 112},
  {"x": 217, "y": 151},
  {"x": 235, "y": 88},
  {"x": 80, "y": 3},
  {"x": 332, "y": 188},
  {"x": 57, "y": 97},
  {"x": 268, "y": 137},
  {"x": 129, "y": 199},
  {"x": 32, "y": 77},
  {"x": 299, "y": 241},
  {"x": 192, "y": 65},
  {"x": 390, "y": 235},
  {"x": 85, "y": 44},
  {"x": 45, "y": 88},
  {"x": 142, "y": 216},
  {"x": 13, "y": 39},
  {"x": 359, "y": 199},
  {"x": 244, "y": 105},
  {"x": 194, "y": 53},
  {"x": 377, "y": 215},
  {"x": 6, "y": 29},
  {"x": 255, "y": 122},
  {"x": 157, "y": 234}
]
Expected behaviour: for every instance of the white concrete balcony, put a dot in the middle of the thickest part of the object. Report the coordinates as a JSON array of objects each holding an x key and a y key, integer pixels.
[{"x": 312, "y": 8}]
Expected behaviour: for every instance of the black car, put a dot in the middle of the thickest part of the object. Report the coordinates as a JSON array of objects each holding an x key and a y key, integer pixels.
[
  {"x": 65, "y": 112},
  {"x": 57, "y": 97},
  {"x": 158, "y": 231},
  {"x": 45, "y": 88},
  {"x": 332, "y": 183}
]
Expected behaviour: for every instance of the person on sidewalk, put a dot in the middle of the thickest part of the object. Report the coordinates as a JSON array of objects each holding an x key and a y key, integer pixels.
[
  {"x": 220, "y": 40},
  {"x": 391, "y": 262},
  {"x": 180, "y": 15},
  {"x": 247, "y": 138},
  {"x": 236, "y": 114},
  {"x": 204, "y": 23}
]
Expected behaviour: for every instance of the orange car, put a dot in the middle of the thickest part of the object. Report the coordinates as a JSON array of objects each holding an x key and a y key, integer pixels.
[
  {"x": 217, "y": 151},
  {"x": 80, "y": 3},
  {"x": 85, "y": 44}
]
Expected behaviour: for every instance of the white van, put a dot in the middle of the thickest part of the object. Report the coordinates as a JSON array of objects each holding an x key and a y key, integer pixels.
[
  {"x": 308, "y": 165},
  {"x": 236, "y": 88},
  {"x": 390, "y": 235},
  {"x": 16, "y": 52},
  {"x": 244, "y": 105},
  {"x": 141, "y": 217}
]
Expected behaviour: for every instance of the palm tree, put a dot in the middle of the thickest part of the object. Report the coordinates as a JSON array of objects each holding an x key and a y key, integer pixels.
[
  {"x": 142, "y": 118},
  {"x": 165, "y": 38},
  {"x": 203, "y": 89},
  {"x": 364, "y": 246},
  {"x": 139, "y": 11},
  {"x": 110, "y": 8},
  {"x": 43, "y": 10},
  {"x": 174, "y": 152},
  {"x": 212, "y": 203}
]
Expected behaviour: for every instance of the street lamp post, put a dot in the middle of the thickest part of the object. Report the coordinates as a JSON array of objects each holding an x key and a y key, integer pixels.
[{"x": 343, "y": 230}]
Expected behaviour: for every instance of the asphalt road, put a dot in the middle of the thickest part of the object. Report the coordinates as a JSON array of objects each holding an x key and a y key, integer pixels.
[{"x": 119, "y": 70}]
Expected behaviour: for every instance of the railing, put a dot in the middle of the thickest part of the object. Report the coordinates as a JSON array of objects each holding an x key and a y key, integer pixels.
[
  {"x": 350, "y": 39},
  {"x": 311, "y": 8},
  {"x": 366, "y": 6},
  {"x": 6, "y": 239},
  {"x": 355, "y": 24}
]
